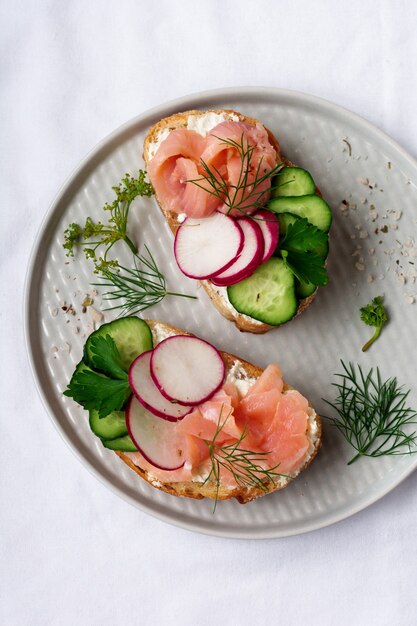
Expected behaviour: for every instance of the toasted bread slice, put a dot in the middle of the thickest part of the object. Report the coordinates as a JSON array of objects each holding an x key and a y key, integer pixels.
[
  {"x": 192, "y": 489},
  {"x": 218, "y": 295}
]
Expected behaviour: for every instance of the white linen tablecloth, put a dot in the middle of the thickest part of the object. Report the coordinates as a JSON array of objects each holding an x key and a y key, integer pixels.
[{"x": 71, "y": 552}]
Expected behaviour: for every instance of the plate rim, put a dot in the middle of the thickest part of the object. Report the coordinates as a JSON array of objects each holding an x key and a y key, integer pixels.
[{"x": 191, "y": 100}]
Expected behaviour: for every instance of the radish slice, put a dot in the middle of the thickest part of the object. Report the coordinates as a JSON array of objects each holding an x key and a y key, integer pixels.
[
  {"x": 157, "y": 440},
  {"x": 148, "y": 394},
  {"x": 207, "y": 246},
  {"x": 186, "y": 369},
  {"x": 269, "y": 225},
  {"x": 250, "y": 257}
]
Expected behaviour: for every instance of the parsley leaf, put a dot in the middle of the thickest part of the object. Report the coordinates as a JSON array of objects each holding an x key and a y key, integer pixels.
[
  {"x": 306, "y": 266},
  {"x": 298, "y": 250},
  {"x": 374, "y": 314},
  {"x": 302, "y": 236},
  {"x": 104, "y": 356},
  {"x": 96, "y": 391}
]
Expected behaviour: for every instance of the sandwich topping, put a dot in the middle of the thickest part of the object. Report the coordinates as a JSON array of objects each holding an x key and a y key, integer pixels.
[
  {"x": 228, "y": 170},
  {"x": 255, "y": 229},
  {"x": 267, "y": 425},
  {"x": 253, "y": 226},
  {"x": 179, "y": 415}
]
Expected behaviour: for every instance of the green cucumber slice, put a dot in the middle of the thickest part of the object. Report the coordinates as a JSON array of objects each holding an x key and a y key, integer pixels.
[
  {"x": 124, "y": 444},
  {"x": 268, "y": 295},
  {"x": 285, "y": 219},
  {"x": 312, "y": 207},
  {"x": 131, "y": 335},
  {"x": 110, "y": 427},
  {"x": 293, "y": 181}
]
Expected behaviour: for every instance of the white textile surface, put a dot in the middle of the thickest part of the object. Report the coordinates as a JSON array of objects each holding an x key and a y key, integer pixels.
[{"x": 72, "y": 552}]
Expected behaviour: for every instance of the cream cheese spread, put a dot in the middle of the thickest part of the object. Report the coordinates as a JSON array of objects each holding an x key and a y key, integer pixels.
[{"x": 201, "y": 124}]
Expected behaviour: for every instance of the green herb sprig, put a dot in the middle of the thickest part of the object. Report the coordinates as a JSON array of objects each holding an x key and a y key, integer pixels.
[
  {"x": 105, "y": 357},
  {"x": 105, "y": 392},
  {"x": 142, "y": 285},
  {"x": 244, "y": 465},
  {"x": 374, "y": 314},
  {"x": 93, "y": 235},
  {"x": 297, "y": 249},
  {"x": 372, "y": 414},
  {"x": 139, "y": 287},
  {"x": 235, "y": 197}
]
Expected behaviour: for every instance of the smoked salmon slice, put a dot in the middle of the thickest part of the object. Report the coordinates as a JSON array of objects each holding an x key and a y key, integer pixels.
[
  {"x": 271, "y": 378},
  {"x": 226, "y": 146},
  {"x": 256, "y": 412},
  {"x": 265, "y": 420},
  {"x": 206, "y": 420},
  {"x": 176, "y": 163},
  {"x": 178, "y": 171}
]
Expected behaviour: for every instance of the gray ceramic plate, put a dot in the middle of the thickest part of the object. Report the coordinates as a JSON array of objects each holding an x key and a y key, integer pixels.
[{"x": 350, "y": 160}]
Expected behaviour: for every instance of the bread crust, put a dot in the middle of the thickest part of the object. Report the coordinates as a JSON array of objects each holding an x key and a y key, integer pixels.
[
  {"x": 199, "y": 490},
  {"x": 179, "y": 120}
]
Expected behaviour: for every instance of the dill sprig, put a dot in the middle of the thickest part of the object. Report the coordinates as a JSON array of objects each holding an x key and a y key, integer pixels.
[
  {"x": 244, "y": 465},
  {"x": 244, "y": 191},
  {"x": 372, "y": 414},
  {"x": 139, "y": 287}
]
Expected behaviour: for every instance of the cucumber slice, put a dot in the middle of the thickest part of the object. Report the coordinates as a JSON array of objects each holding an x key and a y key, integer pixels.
[
  {"x": 131, "y": 335},
  {"x": 285, "y": 219},
  {"x": 124, "y": 444},
  {"x": 312, "y": 207},
  {"x": 268, "y": 295},
  {"x": 303, "y": 289},
  {"x": 293, "y": 181},
  {"x": 110, "y": 427}
]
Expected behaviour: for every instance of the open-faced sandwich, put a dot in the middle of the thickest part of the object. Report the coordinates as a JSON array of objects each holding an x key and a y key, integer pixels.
[
  {"x": 248, "y": 224},
  {"x": 190, "y": 420}
]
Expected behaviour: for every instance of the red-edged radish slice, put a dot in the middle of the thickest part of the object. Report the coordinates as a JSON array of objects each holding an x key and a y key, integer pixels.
[
  {"x": 207, "y": 246},
  {"x": 187, "y": 369},
  {"x": 157, "y": 440},
  {"x": 148, "y": 394},
  {"x": 269, "y": 225},
  {"x": 250, "y": 257}
]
